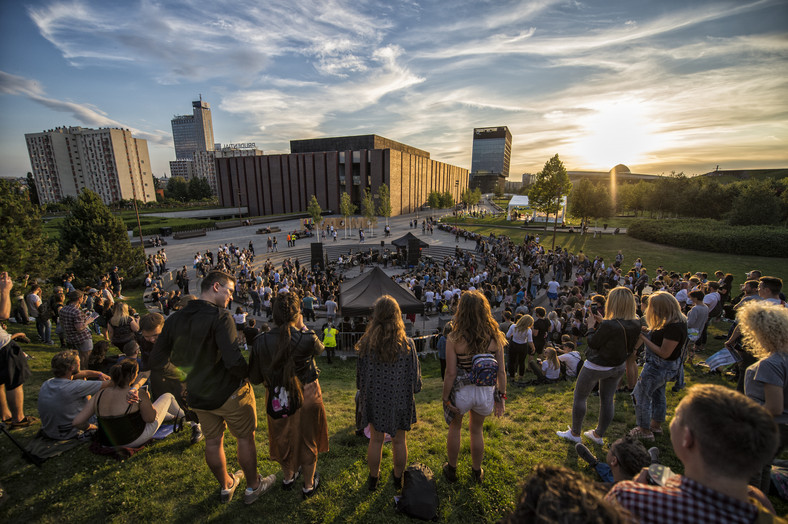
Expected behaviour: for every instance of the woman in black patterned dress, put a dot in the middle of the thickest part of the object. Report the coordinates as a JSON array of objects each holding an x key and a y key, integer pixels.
[{"x": 387, "y": 377}]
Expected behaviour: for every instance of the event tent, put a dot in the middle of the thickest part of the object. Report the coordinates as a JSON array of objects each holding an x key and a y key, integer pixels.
[
  {"x": 358, "y": 296},
  {"x": 405, "y": 241}
]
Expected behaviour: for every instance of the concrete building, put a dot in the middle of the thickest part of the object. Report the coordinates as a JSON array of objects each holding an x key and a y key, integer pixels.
[
  {"x": 108, "y": 161},
  {"x": 328, "y": 167},
  {"x": 204, "y": 162},
  {"x": 492, "y": 151},
  {"x": 193, "y": 132}
]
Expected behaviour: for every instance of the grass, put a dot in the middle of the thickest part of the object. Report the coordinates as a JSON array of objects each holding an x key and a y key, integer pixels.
[{"x": 169, "y": 480}]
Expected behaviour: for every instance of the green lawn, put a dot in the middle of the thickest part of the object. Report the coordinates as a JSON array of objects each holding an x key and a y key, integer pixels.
[{"x": 169, "y": 480}]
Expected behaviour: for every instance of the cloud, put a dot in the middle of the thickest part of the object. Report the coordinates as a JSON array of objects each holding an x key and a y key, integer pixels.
[{"x": 31, "y": 89}]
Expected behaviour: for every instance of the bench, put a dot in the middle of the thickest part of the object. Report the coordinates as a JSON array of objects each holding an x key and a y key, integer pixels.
[
  {"x": 268, "y": 230},
  {"x": 180, "y": 235}
]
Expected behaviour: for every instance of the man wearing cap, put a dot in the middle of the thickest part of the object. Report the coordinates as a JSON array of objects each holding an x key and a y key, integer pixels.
[{"x": 75, "y": 325}]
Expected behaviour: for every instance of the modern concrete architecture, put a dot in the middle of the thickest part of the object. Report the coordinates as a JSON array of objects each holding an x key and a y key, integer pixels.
[
  {"x": 193, "y": 132},
  {"x": 492, "y": 151},
  {"x": 108, "y": 161},
  {"x": 329, "y": 167}
]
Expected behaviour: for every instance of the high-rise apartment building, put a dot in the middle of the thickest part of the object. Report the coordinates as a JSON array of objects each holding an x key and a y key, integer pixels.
[
  {"x": 108, "y": 161},
  {"x": 193, "y": 132},
  {"x": 492, "y": 151}
]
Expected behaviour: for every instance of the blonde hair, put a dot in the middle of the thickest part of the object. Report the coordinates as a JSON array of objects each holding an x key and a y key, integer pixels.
[
  {"x": 552, "y": 357},
  {"x": 663, "y": 309},
  {"x": 621, "y": 304},
  {"x": 525, "y": 322},
  {"x": 120, "y": 314},
  {"x": 765, "y": 327},
  {"x": 474, "y": 324},
  {"x": 385, "y": 335}
]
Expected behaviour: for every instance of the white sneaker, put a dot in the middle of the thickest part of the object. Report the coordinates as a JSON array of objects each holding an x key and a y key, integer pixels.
[
  {"x": 568, "y": 435},
  {"x": 593, "y": 438}
]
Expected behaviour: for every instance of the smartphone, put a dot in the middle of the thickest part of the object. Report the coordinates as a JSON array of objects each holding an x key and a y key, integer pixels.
[
  {"x": 658, "y": 474},
  {"x": 594, "y": 309}
]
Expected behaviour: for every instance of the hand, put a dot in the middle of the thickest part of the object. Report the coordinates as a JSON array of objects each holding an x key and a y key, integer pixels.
[
  {"x": 499, "y": 407},
  {"x": 452, "y": 408},
  {"x": 642, "y": 477},
  {"x": 104, "y": 377},
  {"x": 5, "y": 283},
  {"x": 133, "y": 396}
]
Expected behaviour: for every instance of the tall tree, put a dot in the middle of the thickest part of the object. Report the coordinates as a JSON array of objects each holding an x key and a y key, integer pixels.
[
  {"x": 384, "y": 202},
  {"x": 316, "y": 212},
  {"x": 368, "y": 209},
  {"x": 550, "y": 187},
  {"x": 98, "y": 240},
  {"x": 447, "y": 199},
  {"x": 434, "y": 200},
  {"x": 347, "y": 208},
  {"x": 588, "y": 200},
  {"x": 25, "y": 249},
  {"x": 199, "y": 189},
  {"x": 177, "y": 189}
]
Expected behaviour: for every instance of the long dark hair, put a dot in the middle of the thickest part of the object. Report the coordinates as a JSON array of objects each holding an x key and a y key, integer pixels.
[{"x": 285, "y": 309}]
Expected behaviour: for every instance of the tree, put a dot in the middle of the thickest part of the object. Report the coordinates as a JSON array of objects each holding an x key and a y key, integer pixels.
[
  {"x": 199, "y": 189},
  {"x": 434, "y": 200},
  {"x": 99, "y": 240},
  {"x": 347, "y": 208},
  {"x": 588, "y": 200},
  {"x": 447, "y": 199},
  {"x": 471, "y": 197},
  {"x": 177, "y": 189},
  {"x": 25, "y": 249},
  {"x": 368, "y": 208},
  {"x": 551, "y": 186},
  {"x": 316, "y": 212},
  {"x": 384, "y": 202},
  {"x": 32, "y": 190},
  {"x": 757, "y": 203}
]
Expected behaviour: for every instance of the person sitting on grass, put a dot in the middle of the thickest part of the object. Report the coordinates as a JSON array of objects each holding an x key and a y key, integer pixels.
[
  {"x": 624, "y": 460},
  {"x": 722, "y": 438},
  {"x": 569, "y": 358},
  {"x": 99, "y": 361}
]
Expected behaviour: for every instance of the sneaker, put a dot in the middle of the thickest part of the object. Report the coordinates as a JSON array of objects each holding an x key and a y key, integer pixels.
[
  {"x": 593, "y": 438},
  {"x": 226, "y": 495},
  {"x": 315, "y": 483},
  {"x": 197, "y": 435},
  {"x": 654, "y": 454},
  {"x": 250, "y": 495},
  {"x": 569, "y": 436},
  {"x": 449, "y": 472},
  {"x": 585, "y": 454},
  {"x": 288, "y": 485},
  {"x": 478, "y": 475}
]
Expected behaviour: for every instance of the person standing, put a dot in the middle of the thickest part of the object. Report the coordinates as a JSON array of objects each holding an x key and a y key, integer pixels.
[
  {"x": 185, "y": 280},
  {"x": 75, "y": 325},
  {"x": 284, "y": 360},
  {"x": 117, "y": 283},
  {"x": 201, "y": 340},
  {"x": 330, "y": 340},
  {"x": 388, "y": 375}
]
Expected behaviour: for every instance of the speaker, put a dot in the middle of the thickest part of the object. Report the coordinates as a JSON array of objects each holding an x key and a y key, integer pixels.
[
  {"x": 317, "y": 255},
  {"x": 414, "y": 251}
]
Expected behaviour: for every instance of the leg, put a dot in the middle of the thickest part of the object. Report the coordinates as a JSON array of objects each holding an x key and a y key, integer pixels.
[
  {"x": 583, "y": 386},
  {"x": 16, "y": 398},
  {"x": 607, "y": 392},
  {"x": 632, "y": 370},
  {"x": 374, "y": 451},
  {"x": 5, "y": 413},
  {"x": 643, "y": 393},
  {"x": 400, "y": 450},
  {"x": 247, "y": 458},
  {"x": 217, "y": 462},
  {"x": 308, "y": 471},
  {"x": 477, "y": 440},
  {"x": 453, "y": 440}
]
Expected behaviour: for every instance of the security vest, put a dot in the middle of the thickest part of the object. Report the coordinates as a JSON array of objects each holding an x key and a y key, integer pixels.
[{"x": 330, "y": 337}]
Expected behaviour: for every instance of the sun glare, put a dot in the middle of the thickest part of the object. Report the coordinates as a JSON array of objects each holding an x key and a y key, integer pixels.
[{"x": 619, "y": 132}]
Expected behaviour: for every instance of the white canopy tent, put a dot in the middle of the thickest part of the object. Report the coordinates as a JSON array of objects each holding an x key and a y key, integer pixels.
[{"x": 518, "y": 201}]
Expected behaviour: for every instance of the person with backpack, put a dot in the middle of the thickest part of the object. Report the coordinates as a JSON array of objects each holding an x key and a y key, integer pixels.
[
  {"x": 388, "y": 374},
  {"x": 284, "y": 360},
  {"x": 475, "y": 379}
]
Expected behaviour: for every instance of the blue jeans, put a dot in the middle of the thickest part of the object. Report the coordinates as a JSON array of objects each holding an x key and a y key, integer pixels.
[
  {"x": 44, "y": 328},
  {"x": 649, "y": 392}
]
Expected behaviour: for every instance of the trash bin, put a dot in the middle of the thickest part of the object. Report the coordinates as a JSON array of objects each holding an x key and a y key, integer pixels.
[{"x": 165, "y": 231}]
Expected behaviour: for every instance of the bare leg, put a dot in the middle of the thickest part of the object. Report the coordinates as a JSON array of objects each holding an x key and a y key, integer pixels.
[
  {"x": 477, "y": 440},
  {"x": 247, "y": 457},
  {"x": 15, "y": 398},
  {"x": 217, "y": 463},
  {"x": 632, "y": 370},
  {"x": 374, "y": 451},
  {"x": 308, "y": 470},
  {"x": 400, "y": 449},
  {"x": 5, "y": 413},
  {"x": 453, "y": 440}
]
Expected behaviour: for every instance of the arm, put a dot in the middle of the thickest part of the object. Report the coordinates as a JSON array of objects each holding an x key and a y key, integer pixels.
[
  {"x": 451, "y": 373},
  {"x": 135, "y": 326},
  {"x": 146, "y": 408},
  {"x": 774, "y": 399},
  {"x": 89, "y": 373},
  {"x": 500, "y": 396},
  {"x": 663, "y": 351},
  {"x": 81, "y": 420},
  {"x": 5, "y": 295}
]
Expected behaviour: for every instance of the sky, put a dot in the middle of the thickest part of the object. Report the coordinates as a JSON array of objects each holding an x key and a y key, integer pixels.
[{"x": 660, "y": 86}]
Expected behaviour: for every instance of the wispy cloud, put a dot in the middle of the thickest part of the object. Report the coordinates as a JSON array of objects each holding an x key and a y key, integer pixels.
[{"x": 31, "y": 89}]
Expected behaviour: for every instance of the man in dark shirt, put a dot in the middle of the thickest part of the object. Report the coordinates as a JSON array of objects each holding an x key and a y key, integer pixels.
[{"x": 201, "y": 341}]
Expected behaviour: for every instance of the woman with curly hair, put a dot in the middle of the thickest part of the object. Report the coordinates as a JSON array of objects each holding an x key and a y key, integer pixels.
[
  {"x": 765, "y": 329},
  {"x": 284, "y": 360},
  {"x": 475, "y": 332},
  {"x": 388, "y": 374}
]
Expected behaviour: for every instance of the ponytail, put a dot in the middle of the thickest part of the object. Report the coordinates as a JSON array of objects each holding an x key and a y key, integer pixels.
[{"x": 286, "y": 307}]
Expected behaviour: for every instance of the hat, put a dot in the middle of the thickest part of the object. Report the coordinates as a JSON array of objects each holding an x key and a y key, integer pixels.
[{"x": 92, "y": 290}]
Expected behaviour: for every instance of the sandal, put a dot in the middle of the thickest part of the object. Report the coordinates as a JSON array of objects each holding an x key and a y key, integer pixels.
[
  {"x": 641, "y": 433},
  {"x": 25, "y": 422},
  {"x": 656, "y": 431}
]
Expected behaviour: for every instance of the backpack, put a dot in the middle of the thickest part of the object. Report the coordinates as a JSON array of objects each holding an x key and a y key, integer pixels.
[
  {"x": 44, "y": 311},
  {"x": 484, "y": 370},
  {"x": 419, "y": 493},
  {"x": 278, "y": 404}
]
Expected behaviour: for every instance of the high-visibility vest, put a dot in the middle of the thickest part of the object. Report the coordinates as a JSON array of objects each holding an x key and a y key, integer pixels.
[{"x": 330, "y": 337}]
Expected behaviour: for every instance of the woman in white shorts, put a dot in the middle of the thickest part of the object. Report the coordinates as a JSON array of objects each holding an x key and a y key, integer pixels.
[{"x": 475, "y": 331}]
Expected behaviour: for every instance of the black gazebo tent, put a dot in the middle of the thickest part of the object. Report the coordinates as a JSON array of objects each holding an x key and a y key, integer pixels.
[{"x": 358, "y": 296}]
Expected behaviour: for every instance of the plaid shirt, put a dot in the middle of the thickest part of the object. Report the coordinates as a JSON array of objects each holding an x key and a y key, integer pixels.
[
  {"x": 680, "y": 501},
  {"x": 74, "y": 324}
]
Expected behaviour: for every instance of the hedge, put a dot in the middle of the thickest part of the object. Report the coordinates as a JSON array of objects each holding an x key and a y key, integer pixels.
[{"x": 713, "y": 235}]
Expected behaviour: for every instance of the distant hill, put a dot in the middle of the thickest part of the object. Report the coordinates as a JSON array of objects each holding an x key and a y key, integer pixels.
[{"x": 733, "y": 175}]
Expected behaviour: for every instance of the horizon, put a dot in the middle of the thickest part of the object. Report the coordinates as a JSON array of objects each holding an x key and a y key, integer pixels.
[{"x": 659, "y": 87}]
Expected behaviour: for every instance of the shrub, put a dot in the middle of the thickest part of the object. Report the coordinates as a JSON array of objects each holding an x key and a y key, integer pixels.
[{"x": 713, "y": 235}]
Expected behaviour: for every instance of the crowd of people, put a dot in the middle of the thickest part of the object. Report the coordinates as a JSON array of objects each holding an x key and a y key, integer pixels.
[{"x": 510, "y": 309}]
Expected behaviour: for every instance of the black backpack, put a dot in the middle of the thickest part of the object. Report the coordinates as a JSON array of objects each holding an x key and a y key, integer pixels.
[{"x": 419, "y": 493}]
